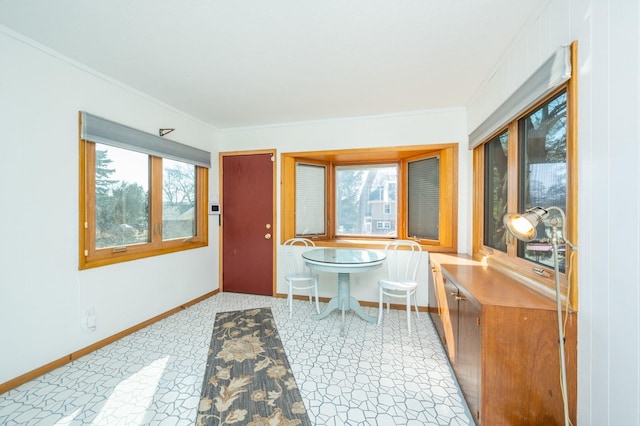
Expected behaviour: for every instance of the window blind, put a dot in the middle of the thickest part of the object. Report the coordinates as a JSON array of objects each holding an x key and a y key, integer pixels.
[
  {"x": 100, "y": 130},
  {"x": 310, "y": 199},
  {"x": 551, "y": 74},
  {"x": 424, "y": 198}
]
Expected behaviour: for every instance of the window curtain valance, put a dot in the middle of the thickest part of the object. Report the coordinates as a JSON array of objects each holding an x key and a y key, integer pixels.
[
  {"x": 100, "y": 130},
  {"x": 551, "y": 74}
]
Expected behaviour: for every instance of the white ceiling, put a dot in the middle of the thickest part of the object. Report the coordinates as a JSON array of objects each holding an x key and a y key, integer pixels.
[{"x": 234, "y": 63}]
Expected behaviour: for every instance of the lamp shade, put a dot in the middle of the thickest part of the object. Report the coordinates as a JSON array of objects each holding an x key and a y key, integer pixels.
[{"x": 523, "y": 226}]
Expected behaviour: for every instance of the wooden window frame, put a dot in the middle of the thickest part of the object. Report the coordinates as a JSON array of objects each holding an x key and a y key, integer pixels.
[
  {"x": 90, "y": 257},
  {"x": 401, "y": 155},
  {"x": 542, "y": 278}
]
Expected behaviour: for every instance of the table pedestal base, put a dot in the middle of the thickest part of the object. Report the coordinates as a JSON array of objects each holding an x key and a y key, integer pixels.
[{"x": 344, "y": 302}]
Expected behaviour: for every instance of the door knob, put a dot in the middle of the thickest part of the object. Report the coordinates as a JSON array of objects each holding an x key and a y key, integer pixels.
[{"x": 267, "y": 236}]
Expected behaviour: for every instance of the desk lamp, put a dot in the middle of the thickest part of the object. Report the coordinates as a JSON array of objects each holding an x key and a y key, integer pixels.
[{"x": 523, "y": 227}]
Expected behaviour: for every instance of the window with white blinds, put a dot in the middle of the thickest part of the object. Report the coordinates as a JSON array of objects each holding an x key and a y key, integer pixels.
[
  {"x": 423, "y": 204},
  {"x": 310, "y": 200}
]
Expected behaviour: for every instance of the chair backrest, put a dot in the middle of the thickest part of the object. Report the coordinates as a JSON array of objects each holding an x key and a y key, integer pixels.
[
  {"x": 293, "y": 250},
  {"x": 403, "y": 259}
]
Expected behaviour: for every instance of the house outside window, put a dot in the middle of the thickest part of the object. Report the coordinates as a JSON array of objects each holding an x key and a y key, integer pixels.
[{"x": 383, "y": 225}]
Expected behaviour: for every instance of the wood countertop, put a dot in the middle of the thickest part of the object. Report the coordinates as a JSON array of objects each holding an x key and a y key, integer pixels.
[{"x": 487, "y": 285}]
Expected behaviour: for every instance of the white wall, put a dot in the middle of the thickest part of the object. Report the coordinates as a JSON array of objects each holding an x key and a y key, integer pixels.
[
  {"x": 43, "y": 295},
  {"x": 433, "y": 127},
  {"x": 609, "y": 189}
]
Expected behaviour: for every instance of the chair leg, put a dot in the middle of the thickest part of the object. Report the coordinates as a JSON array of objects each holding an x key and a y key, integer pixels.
[
  {"x": 415, "y": 303},
  {"x": 290, "y": 301},
  {"x": 315, "y": 289},
  {"x": 380, "y": 305},
  {"x": 409, "y": 312},
  {"x": 288, "y": 293}
]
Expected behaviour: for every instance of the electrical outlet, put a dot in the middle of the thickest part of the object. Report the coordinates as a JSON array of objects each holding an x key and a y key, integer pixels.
[{"x": 89, "y": 321}]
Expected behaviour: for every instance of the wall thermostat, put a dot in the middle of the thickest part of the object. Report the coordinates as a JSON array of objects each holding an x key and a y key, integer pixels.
[{"x": 214, "y": 208}]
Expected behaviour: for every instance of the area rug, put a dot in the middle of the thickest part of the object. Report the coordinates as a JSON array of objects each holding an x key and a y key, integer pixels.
[{"x": 248, "y": 380}]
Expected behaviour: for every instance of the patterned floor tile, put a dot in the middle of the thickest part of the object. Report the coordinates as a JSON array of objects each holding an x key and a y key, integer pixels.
[{"x": 375, "y": 375}]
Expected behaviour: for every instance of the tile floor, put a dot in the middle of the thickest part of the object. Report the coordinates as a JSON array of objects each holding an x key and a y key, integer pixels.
[{"x": 373, "y": 376}]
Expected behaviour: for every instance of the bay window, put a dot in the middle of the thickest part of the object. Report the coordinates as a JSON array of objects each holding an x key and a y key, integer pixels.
[{"x": 365, "y": 196}]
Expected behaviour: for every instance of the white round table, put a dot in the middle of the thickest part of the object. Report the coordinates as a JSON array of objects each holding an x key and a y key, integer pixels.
[{"x": 344, "y": 261}]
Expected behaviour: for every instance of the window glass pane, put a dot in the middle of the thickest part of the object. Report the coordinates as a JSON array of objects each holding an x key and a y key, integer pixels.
[
  {"x": 543, "y": 170},
  {"x": 495, "y": 192},
  {"x": 178, "y": 199},
  {"x": 365, "y": 196},
  {"x": 310, "y": 200},
  {"x": 424, "y": 198},
  {"x": 122, "y": 197}
]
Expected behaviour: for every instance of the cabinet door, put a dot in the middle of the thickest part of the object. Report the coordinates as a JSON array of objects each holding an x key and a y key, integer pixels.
[
  {"x": 451, "y": 292},
  {"x": 438, "y": 308},
  {"x": 469, "y": 352}
]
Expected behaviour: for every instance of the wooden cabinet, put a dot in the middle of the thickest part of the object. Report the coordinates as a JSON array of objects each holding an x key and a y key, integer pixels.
[{"x": 502, "y": 341}]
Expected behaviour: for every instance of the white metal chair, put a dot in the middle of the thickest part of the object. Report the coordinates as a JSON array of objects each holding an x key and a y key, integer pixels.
[
  {"x": 299, "y": 276},
  {"x": 403, "y": 260}
]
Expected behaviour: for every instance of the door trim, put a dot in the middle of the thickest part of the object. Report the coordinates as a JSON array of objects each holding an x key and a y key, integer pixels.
[{"x": 221, "y": 155}]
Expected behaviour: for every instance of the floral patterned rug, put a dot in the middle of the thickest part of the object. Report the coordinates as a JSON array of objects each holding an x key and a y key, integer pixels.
[{"x": 248, "y": 380}]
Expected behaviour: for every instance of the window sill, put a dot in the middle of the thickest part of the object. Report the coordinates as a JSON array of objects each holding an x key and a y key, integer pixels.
[
  {"x": 377, "y": 244},
  {"x": 88, "y": 262}
]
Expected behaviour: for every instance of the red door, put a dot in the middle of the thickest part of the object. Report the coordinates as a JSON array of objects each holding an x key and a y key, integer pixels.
[{"x": 247, "y": 223}]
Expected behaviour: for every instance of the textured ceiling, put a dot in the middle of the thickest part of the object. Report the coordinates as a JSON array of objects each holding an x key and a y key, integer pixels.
[{"x": 241, "y": 63}]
